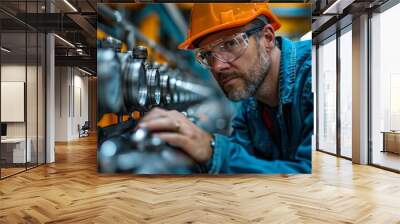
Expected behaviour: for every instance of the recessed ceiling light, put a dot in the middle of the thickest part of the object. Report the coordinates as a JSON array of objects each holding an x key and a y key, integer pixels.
[
  {"x": 86, "y": 72},
  {"x": 307, "y": 36},
  {"x": 64, "y": 40},
  {"x": 337, "y": 7},
  {"x": 5, "y": 50},
  {"x": 70, "y": 5}
]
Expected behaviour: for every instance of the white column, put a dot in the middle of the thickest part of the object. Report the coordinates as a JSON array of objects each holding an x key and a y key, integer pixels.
[
  {"x": 50, "y": 93},
  {"x": 360, "y": 90}
]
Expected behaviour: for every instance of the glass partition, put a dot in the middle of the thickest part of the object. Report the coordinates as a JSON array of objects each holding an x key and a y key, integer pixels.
[
  {"x": 13, "y": 95},
  {"x": 22, "y": 88}
]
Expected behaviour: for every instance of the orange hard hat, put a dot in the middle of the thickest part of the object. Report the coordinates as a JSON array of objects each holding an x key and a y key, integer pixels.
[{"x": 207, "y": 18}]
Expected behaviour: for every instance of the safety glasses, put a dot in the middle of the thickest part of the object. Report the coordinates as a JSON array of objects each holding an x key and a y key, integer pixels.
[{"x": 225, "y": 50}]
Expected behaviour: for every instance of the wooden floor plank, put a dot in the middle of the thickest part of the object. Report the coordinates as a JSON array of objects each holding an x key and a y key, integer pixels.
[{"x": 71, "y": 191}]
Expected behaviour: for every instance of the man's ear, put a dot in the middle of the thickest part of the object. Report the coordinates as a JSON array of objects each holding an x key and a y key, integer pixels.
[{"x": 269, "y": 36}]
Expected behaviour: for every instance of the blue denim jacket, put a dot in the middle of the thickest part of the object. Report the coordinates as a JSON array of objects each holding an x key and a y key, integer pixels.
[{"x": 250, "y": 148}]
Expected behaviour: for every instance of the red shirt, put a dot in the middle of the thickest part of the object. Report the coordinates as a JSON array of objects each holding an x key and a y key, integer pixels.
[{"x": 270, "y": 122}]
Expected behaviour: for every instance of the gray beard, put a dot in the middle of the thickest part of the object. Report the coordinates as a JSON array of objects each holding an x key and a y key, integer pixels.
[{"x": 255, "y": 77}]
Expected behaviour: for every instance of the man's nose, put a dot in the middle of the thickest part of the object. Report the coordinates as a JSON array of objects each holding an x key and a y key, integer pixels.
[{"x": 219, "y": 65}]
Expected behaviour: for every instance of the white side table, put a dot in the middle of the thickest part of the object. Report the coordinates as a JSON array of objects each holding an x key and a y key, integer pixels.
[{"x": 19, "y": 149}]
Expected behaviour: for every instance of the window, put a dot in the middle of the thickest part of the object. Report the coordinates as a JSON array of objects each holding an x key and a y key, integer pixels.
[
  {"x": 346, "y": 92},
  {"x": 385, "y": 89},
  {"x": 327, "y": 95}
]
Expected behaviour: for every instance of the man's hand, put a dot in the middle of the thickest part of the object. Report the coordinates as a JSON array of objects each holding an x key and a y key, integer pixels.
[{"x": 175, "y": 129}]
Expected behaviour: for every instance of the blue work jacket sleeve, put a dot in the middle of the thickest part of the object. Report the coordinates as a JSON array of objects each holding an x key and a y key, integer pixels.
[{"x": 234, "y": 154}]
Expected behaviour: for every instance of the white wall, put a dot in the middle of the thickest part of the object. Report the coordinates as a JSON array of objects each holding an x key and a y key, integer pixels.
[
  {"x": 61, "y": 103},
  {"x": 71, "y": 93},
  {"x": 80, "y": 100},
  {"x": 34, "y": 124},
  {"x": 12, "y": 73}
]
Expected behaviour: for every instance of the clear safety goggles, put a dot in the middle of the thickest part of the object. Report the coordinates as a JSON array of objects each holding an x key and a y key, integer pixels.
[{"x": 225, "y": 50}]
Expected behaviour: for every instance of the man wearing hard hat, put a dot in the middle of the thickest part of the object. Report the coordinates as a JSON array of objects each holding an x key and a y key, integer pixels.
[{"x": 270, "y": 75}]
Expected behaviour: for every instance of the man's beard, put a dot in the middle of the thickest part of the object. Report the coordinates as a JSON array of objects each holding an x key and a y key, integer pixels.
[{"x": 252, "y": 79}]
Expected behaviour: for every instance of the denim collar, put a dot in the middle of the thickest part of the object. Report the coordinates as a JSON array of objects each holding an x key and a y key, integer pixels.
[
  {"x": 287, "y": 74},
  {"x": 287, "y": 69}
]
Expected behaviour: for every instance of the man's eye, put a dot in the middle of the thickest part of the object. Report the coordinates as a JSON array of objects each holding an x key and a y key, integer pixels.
[
  {"x": 230, "y": 44},
  {"x": 206, "y": 55}
]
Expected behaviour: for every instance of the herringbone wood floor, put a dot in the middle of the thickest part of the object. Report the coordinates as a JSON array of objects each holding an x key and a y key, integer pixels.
[{"x": 70, "y": 191}]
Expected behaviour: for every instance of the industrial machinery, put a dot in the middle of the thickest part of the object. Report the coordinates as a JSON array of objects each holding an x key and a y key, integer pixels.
[{"x": 128, "y": 84}]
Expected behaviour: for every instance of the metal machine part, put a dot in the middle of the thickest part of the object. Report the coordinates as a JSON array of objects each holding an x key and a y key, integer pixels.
[
  {"x": 141, "y": 153},
  {"x": 165, "y": 89},
  {"x": 110, "y": 98},
  {"x": 135, "y": 81},
  {"x": 139, "y": 52},
  {"x": 108, "y": 152},
  {"x": 164, "y": 85},
  {"x": 153, "y": 80},
  {"x": 112, "y": 43},
  {"x": 174, "y": 93},
  {"x": 127, "y": 82},
  {"x": 130, "y": 83}
]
